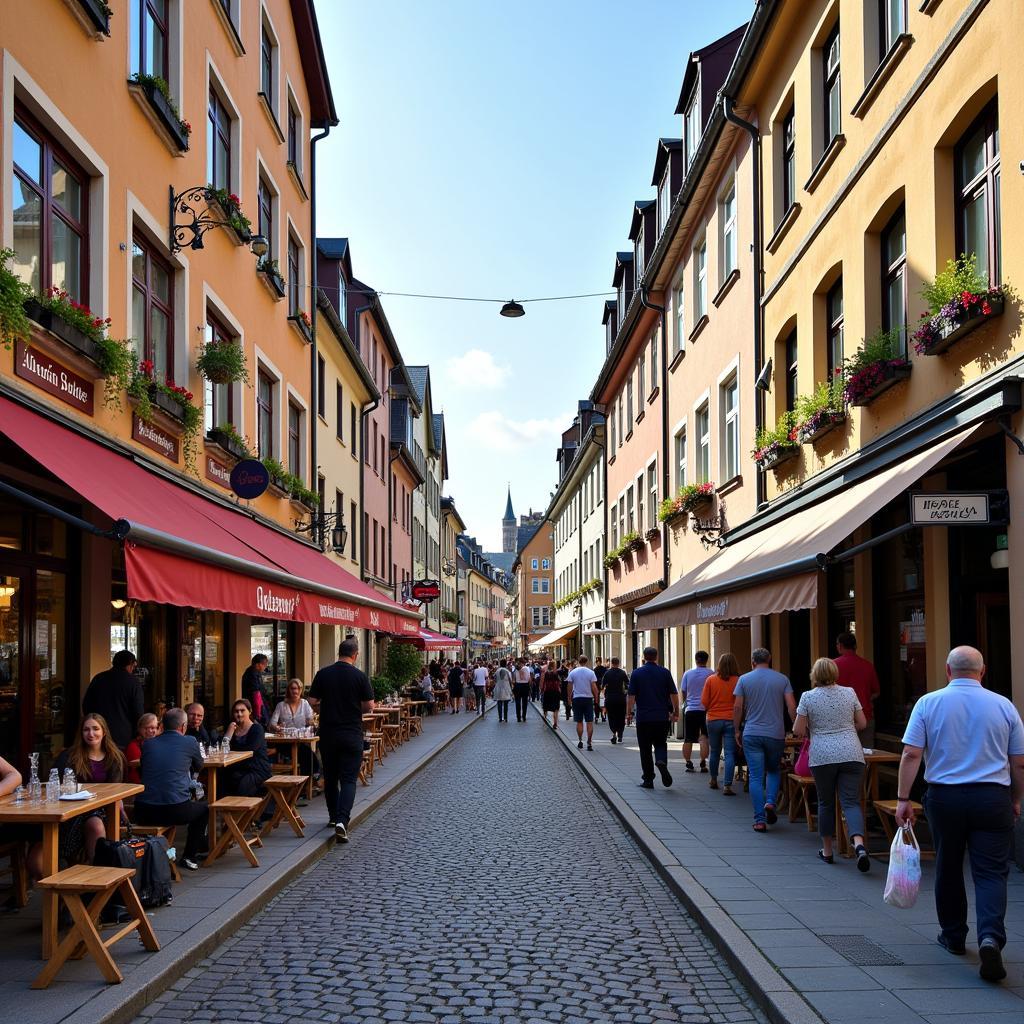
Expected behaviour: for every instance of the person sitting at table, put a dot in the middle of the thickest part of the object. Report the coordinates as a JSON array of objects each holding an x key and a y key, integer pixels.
[
  {"x": 427, "y": 690},
  {"x": 196, "y": 729},
  {"x": 247, "y": 777},
  {"x": 146, "y": 730},
  {"x": 294, "y": 712},
  {"x": 169, "y": 760}
]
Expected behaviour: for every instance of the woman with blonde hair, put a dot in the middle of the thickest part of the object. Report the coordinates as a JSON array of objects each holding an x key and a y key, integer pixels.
[
  {"x": 717, "y": 698},
  {"x": 833, "y": 715},
  {"x": 146, "y": 729}
]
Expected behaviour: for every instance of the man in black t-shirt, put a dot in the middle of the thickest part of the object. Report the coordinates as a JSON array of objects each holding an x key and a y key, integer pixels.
[
  {"x": 116, "y": 694},
  {"x": 342, "y": 694},
  {"x": 614, "y": 683}
]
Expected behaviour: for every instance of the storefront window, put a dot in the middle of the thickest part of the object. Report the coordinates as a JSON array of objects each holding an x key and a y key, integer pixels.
[
  {"x": 276, "y": 641},
  {"x": 11, "y": 597},
  {"x": 51, "y": 697},
  {"x": 205, "y": 668}
]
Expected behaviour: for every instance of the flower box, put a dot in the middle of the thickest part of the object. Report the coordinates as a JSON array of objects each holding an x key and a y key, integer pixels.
[
  {"x": 59, "y": 328},
  {"x": 301, "y": 504},
  {"x": 820, "y": 424},
  {"x": 227, "y": 443},
  {"x": 273, "y": 280},
  {"x": 864, "y": 387},
  {"x": 941, "y": 332},
  {"x": 166, "y": 118},
  {"x": 168, "y": 406},
  {"x": 302, "y": 323},
  {"x": 238, "y": 236},
  {"x": 278, "y": 487},
  {"x": 777, "y": 454},
  {"x": 652, "y": 534},
  {"x": 610, "y": 561},
  {"x": 93, "y": 14},
  {"x": 701, "y": 507}
]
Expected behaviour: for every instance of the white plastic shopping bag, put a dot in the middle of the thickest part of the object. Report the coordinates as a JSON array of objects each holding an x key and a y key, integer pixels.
[{"x": 904, "y": 878}]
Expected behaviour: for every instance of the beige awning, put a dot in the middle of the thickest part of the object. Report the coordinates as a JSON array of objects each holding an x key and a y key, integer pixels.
[
  {"x": 777, "y": 569},
  {"x": 553, "y": 638}
]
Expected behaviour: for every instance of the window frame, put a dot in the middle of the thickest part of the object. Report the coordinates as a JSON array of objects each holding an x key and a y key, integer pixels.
[
  {"x": 216, "y": 330},
  {"x": 887, "y": 33},
  {"x": 691, "y": 125},
  {"x": 339, "y": 411},
  {"x": 835, "y": 323},
  {"x": 680, "y": 457},
  {"x": 268, "y": 64},
  {"x": 265, "y": 412},
  {"x": 791, "y": 350},
  {"x": 152, "y": 255},
  {"x": 702, "y": 420},
  {"x": 217, "y": 135},
  {"x": 729, "y": 232},
  {"x": 700, "y": 280},
  {"x": 894, "y": 271},
  {"x": 265, "y": 196},
  {"x": 831, "y": 77},
  {"x": 987, "y": 183},
  {"x": 789, "y": 160},
  {"x": 146, "y": 7},
  {"x": 679, "y": 313},
  {"x": 652, "y": 496},
  {"x": 294, "y": 275},
  {"x": 730, "y": 425}
]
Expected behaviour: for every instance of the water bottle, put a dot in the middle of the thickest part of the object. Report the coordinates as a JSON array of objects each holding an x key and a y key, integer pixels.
[
  {"x": 53, "y": 787},
  {"x": 70, "y": 783}
]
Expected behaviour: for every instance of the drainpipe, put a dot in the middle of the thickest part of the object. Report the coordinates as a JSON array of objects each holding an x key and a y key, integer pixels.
[
  {"x": 729, "y": 110},
  {"x": 314, "y": 281}
]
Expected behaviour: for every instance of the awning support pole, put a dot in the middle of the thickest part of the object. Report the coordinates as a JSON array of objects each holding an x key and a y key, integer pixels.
[
  {"x": 824, "y": 560},
  {"x": 118, "y": 533}
]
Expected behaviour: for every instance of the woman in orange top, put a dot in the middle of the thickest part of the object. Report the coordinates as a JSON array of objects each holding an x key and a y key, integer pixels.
[{"x": 717, "y": 700}]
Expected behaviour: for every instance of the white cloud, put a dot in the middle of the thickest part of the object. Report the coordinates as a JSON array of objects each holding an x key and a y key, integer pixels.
[
  {"x": 495, "y": 431},
  {"x": 478, "y": 369}
]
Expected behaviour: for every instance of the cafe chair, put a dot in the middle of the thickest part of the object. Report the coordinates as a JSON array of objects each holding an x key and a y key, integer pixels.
[
  {"x": 284, "y": 790},
  {"x": 237, "y": 813},
  {"x": 799, "y": 789}
]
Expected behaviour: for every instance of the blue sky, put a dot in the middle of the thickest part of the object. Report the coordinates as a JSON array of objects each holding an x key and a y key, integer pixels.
[{"x": 495, "y": 149}]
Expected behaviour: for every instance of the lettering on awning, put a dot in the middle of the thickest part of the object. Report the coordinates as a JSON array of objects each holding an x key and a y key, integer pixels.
[
  {"x": 708, "y": 611},
  {"x": 34, "y": 366}
]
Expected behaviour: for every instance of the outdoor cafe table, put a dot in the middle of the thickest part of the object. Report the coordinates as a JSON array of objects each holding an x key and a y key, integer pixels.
[
  {"x": 51, "y": 816},
  {"x": 276, "y": 740},
  {"x": 394, "y": 714},
  {"x": 213, "y": 763}
]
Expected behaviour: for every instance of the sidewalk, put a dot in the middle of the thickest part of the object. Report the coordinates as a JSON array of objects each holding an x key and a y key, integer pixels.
[
  {"x": 773, "y": 892},
  {"x": 209, "y": 906}
]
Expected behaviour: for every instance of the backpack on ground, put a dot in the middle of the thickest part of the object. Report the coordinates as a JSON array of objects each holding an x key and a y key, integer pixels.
[{"x": 148, "y": 856}]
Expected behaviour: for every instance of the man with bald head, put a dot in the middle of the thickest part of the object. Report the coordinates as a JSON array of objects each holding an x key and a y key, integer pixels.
[{"x": 972, "y": 742}]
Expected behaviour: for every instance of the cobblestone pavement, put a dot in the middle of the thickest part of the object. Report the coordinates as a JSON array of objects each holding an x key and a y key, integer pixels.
[{"x": 497, "y": 886}]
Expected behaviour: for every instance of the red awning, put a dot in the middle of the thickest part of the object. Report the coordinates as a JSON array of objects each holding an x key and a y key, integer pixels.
[
  {"x": 430, "y": 641},
  {"x": 186, "y": 550}
]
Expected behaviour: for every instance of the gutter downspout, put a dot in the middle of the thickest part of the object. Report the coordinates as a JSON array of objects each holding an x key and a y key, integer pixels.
[
  {"x": 314, "y": 469},
  {"x": 729, "y": 110}
]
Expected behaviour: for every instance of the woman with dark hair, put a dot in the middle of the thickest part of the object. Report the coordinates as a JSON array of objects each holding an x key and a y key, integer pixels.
[
  {"x": 551, "y": 692},
  {"x": 247, "y": 777}
]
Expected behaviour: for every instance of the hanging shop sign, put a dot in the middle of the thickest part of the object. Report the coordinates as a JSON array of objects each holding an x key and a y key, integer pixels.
[
  {"x": 46, "y": 373},
  {"x": 425, "y": 590},
  {"x": 154, "y": 438},
  {"x": 250, "y": 478},
  {"x": 959, "y": 508}
]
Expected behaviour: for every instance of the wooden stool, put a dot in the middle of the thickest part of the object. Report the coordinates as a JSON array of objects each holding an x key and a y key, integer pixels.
[
  {"x": 284, "y": 790},
  {"x": 237, "y": 813},
  {"x": 376, "y": 746},
  {"x": 392, "y": 735},
  {"x": 17, "y": 871},
  {"x": 366, "y": 768},
  {"x": 886, "y": 811},
  {"x": 70, "y": 886},
  {"x": 800, "y": 787},
  {"x": 168, "y": 832},
  {"x": 415, "y": 725}
]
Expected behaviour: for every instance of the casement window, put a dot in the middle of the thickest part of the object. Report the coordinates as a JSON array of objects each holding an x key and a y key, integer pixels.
[
  {"x": 703, "y": 444},
  {"x": 729, "y": 406},
  {"x": 293, "y": 136},
  {"x": 353, "y": 518},
  {"x": 622, "y": 517},
  {"x": 535, "y": 585},
  {"x": 655, "y": 344},
  {"x": 639, "y": 263},
  {"x": 834, "y": 328},
  {"x": 691, "y": 126},
  {"x": 50, "y": 214},
  {"x": 218, "y": 143},
  {"x": 152, "y": 308},
  {"x": 791, "y": 371},
  {"x": 892, "y": 23},
  {"x": 294, "y": 277},
  {"x": 727, "y": 240},
  {"x": 545, "y": 563},
  {"x": 664, "y": 198},
  {"x": 218, "y": 401},
  {"x": 629, "y": 404},
  {"x": 620, "y": 297},
  {"x": 679, "y": 316},
  {"x": 832, "y": 100},
  {"x": 640, "y": 517},
  {"x": 265, "y": 388},
  {"x": 268, "y": 62},
  {"x": 641, "y": 390},
  {"x": 652, "y": 496},
  {"x": 977, "y": 194},
  {"x": 375, "y": 449},
  {"x": 535, "y": 617},
  {"x": 151, "y": 56},
  {"x": 545, "y": 586},
  {"x": 630, "y": 510},
  {"x": 339, "y": 411},
  {"x": 788, "y": 161},
  {"x": 894, "y": 275},
  {"x": 545, "y": 615},
  {"x": 611, "y": 421},
  {"x": 265, "y": 215},
  {"x": 533, "y": 563},
  {"x": 700, "y": 280},
  {"x": 681, "y": 459},
  {"x": 353, "y": 420}
]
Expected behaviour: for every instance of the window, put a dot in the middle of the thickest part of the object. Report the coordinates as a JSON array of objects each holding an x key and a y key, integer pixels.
[
  {"x": 630, "y": 510},
  {"x": 640, "y": 255},
  {"x": 788, "y": 162},
  {"x": 352, "y": 520},
  {"x": 679, "y": 315},
  {"x": 832, "y": 106},
  {"x": 791, "y": 371},
  {"x": 545, "y": 615},
  {"x": 533, "y": 563},
  {"x": 353, "y": 437},
  {"x": 641, "y": 388},
  {"x": 892, "y": 23},
  {"x": 153, "y": 30},
  {"x": 293, "y": 136},
  {"x": 294, "y": 277},
  {"x": 264, "y": 415},
  {"x": 977, "y": 195},
  {"x": 339, "y": 411},
  {"x": 691, "y": 126},
  {"x": 655, "y": 339},
  {"x": 703, "y": 444},
  {"x": 536, "y": 616},
  {"x": 321, "y": 387},
  {"x": 622, "y": 517},
  {"x": 152, "y": 308},
  {"x": 700, "y": 280},
  {"x": 681, "y": 458},
  {"x": 267, "y": 65},
  {"x": 545, "y": 563},
  {"x": 652, "y": 496},
  {"x": 640, "y": 518},
  {"x": 894, "y": 275},
  {"x": 727, "y": 241},
  {"x": 621, "y": 435},
  {"x": 729, "y": 403},
  {"x": 664, "y": 198},
  {"x": 218, "y": 143},
  {"x": 218, "y": 402},
  {"x": 265, "y": 206},
  {"x": 545, "y": 586},
  {"x": 611, "y": 421},
  {"x": 51, "y": 240},
  {"x": 535, "y": 585},
  {"x": 629, "y": 404},
  {"x": 834, "y": 327}
]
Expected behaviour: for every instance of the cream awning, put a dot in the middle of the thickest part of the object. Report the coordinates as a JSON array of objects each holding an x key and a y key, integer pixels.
[{"x": 553, "y": 638}]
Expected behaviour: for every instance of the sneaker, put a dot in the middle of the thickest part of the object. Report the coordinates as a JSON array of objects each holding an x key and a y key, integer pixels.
[
  {"x": 689, "y": 767},
  {"x": 191, "y": 865},
  {"x": 703, "y": 767},
  {"x": 340, "y": 833},
  {"x": 579, "y": 746},
  {"x": 613, "y": 738},
  {"x": 647, "y": 785},
  {"x": 947, "y": 945},
  {"x": 863, "y": 860},
  {"x": 590, "y": 746},
  {"x": 992, "y": 968},
  {"x": 666, "y": 778},
  {"x": 769, "y": 813}
]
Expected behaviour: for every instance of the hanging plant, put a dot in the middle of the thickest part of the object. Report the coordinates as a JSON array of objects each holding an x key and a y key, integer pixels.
[
  {"x": 14, "y": 323},
  {"x": 146, "y": 391},
  {"x": 776, "y": 444},
  {"x": 223, "y": 362}
]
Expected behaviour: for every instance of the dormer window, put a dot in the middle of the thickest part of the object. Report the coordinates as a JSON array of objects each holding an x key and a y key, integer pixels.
[
  {"x": 609, "y": 334},
  {"x": 691, "y": 125},
  {"x": 640, "y": 255},
  {"x": 664, "y": 200},
  {"x": 620, "y": 295}
]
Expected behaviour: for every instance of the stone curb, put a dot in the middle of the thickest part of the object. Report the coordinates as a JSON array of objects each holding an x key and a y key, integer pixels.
[
  {"x": 773, "y": 993},
  {"x": 119, "y": 1004}
]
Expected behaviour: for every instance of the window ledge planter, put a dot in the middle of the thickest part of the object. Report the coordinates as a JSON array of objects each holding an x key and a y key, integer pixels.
[
  {"x": 93, "y": 16},
  {"x": 301, "y": 504},
  {"x": 776, "y": 455},
  {"x": 239, "y": 236},
  {"x": 296, "y": 177},
  {"x": 223, "y": 440},
  {"x": 819, "y": 425},
  {"x": 158, "y": 112},
  {"x": 864, "y": 387},
  {"x": 171, "y": 408},
  {"x": 675, "y": 517},
  {"x": 652, "y": 534},
  {"x": 56, "y": 335},
  {"x": 939, "y": 333},
  {"x": 274, "y": 282},
  {"x": 278, "y": 487},
  {"x": 304, "y": 326}
]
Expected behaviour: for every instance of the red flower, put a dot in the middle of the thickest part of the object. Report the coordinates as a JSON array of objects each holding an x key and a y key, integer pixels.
[{"x": 986, "y": 308}]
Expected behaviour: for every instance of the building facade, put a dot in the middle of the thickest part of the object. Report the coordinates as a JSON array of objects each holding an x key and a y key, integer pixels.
[
  {"x": 452, "y": 621},
  {"x": 533, "y": 569}
]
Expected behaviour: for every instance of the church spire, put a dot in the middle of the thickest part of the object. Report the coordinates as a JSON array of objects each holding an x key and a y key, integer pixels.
[
  {"x": 509, "y": 514},
  {"x": 509, "y": 533}
]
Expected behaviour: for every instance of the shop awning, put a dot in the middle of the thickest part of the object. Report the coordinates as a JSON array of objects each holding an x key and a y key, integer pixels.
[
  {"x": 553, "y": 638},
  {"x": 778, "y": 569},
  {"x": 430, "y": 641},
  {"x": 186, "y": 550}
]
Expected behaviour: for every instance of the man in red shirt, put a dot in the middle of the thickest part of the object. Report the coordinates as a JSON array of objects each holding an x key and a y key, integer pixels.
[{"x": 859, "y": 674}]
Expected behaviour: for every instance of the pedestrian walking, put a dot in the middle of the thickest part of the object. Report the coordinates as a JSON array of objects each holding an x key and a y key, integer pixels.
[
  {"x": 535, "y": 682},
  {"x": 833, "y": 715},
  {"x": 522, "y": 681},
  {"x": 116, "y": 696},
  {"x": 762, "y": 696},
  {"x": 654, "y": 699},
  {"x": 342, "y": 694},
  {"x": 480, "y": 679},
  {"x": 564, "y": 668},
  {"x": 616, "y": 682},
  {"x": 599, "y": 670},
  {"x": 551, "y": 693},
  {"x": 972, "y": 742},
  {"x": 455, "y": 676},
  {"x": 859, "y": 674},
  {"x": 255, "y": 690},
  {"x": 695, "y": 718},
  {"x": 502, "y": 690},
  {"x": 718, "y": 700},
  {"x": 467, "y": 687},
  {"x": 583, "y": 682}
]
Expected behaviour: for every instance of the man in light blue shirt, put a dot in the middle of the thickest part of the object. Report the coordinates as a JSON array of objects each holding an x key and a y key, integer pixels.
[
  {"x": 762, "y": 696},
  {"x": 972, "y": 742},
  {"x": 695, "y": 718}
]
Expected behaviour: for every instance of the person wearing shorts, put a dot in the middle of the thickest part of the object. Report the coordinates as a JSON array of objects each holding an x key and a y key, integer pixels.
[
  {"x": 695, "y": 718},
  {"x": 582, "y": 685}
]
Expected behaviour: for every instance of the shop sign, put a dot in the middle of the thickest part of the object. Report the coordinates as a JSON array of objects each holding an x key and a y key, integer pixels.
[
  {"x": 708, "y": 611},
  {"x": 425, "y": 590},
  {"x": 953, "y": 508},
  {"x": 154, "y": 438},
  {"x": 250, "y": 478},
  {"x": 218, "y": 472},
  {"x": 38, "y": 368}
]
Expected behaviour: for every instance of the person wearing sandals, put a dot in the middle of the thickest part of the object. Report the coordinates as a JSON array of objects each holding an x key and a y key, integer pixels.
[
  {"x": 833, "y": 716},
  {"x": 717, "y": 701}
]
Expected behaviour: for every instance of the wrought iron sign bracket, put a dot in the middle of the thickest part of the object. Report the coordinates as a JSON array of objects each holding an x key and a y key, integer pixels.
[{"x": 709, "y": 531}]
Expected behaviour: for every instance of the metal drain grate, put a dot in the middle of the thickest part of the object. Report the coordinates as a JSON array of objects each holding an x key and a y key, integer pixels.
[{"x": 861, "y": 951}]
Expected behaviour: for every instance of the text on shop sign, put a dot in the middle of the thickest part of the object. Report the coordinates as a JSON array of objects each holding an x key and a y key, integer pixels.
[
  {"x": 949, "y": 508},
  {"x": 32, "y": 365}
]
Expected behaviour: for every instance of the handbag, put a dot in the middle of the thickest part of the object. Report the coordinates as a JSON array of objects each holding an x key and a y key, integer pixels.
[
  {"x": 904, "y": 878},
  {"x": 803, "y": 760}
]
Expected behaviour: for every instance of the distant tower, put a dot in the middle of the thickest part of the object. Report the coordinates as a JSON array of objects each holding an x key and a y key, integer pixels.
[{"x": 508, "y": 526}]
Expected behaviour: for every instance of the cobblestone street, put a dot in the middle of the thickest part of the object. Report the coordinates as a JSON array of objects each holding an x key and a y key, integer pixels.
[{"x": 495, "y": 886}]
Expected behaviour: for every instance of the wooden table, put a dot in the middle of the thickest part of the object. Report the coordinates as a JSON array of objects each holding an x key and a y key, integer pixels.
[
  {"x": 295, "y": 742},
  {"x": 51, "y": 817},
  {"x": 212, "y": 764},
  {"x": 394, "y": 715}
]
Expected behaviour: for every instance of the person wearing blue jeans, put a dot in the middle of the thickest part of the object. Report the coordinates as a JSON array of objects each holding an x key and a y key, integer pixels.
[
  {"x": 722, "y": 734},
  {"x": 762, "y": 697}
]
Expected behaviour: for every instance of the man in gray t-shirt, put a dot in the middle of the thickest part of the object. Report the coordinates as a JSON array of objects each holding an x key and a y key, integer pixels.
[{"x": 762, "y": 695}]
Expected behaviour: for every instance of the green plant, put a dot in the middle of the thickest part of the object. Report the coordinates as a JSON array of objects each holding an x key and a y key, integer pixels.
[
  {"x": 14, "y": 324},
  {"x": 228, "y": 430},
  {"x": 298, "y": 490},
  {"x": 231, "y": 206},
  {"x": 161, "y": 86},
  {"x": 275, "y": 469},
  {"x": 826, "y": 397},
  {"x": 116, "y": 359},
  {"x": 223, "y": 362},
  {"x": 141, "y": 389},
  {"x": 779, "y": 435},
  {"x": 269, "y": 266},
  {"x": 959, "y": 276},
  {"x": 872, "y": 363},
  {"x": 402, "y": 664},
  {"x": 382, "y": 687}
]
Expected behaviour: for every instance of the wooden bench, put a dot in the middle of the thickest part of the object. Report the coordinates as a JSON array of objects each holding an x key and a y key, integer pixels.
[
  {"x": 798, "y": 797},
  {"x": 284, "y": 790},
  {"x": 18, "y": 871},
  {"x": 237, "y": 813},
  {"x": 70, "y": 886},
  {"x": 168, "y": 832}
]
